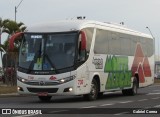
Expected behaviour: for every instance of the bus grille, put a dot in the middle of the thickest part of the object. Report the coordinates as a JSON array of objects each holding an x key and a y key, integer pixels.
[
  {"x": 45, "y": 84},
  {"x": 38, "y": 90}
]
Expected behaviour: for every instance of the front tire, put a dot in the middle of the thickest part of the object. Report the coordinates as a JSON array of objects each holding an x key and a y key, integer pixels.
[
  {"x": 93, "y": 93},
  {"x": 45, "y": 98}
]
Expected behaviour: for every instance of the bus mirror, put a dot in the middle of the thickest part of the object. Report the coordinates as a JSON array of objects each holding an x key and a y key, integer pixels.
[
  {"x": 12, "y": 39},
  {"x": 83, "y": 40}
]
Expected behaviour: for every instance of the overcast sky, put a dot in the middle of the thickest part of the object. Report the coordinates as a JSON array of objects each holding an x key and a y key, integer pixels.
[{"x": 136, "y": 14}]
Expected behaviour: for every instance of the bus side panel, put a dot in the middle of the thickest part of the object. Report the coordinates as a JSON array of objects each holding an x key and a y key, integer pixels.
[
  {"x": 143, "y": 66},
  {"x": 119, "y": 74},
  {"x": 96, "y": 68},
  {"x": 83, "y": 83},
  {"x": 113, "y": 71}
]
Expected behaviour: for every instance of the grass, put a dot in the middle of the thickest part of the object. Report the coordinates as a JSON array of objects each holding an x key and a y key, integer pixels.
[{"x": 8, "y": 89}]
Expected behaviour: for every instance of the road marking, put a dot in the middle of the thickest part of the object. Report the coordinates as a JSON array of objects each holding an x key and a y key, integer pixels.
[
  {"x": 57, "y": 111},
  {"x": 26, "y": 115},
  {"x": 125, "y": 102},
  {"x": 156, "y": 90},
  {"x": 142, "y": 100},
  {"x": 157, "y": 106},
  {"x": 121, "y": 113},
  {"x": 107, "y": 104},
  {"x": 147, "y": 107},
  {"x": 154, "y": 86},
  {"x": 112, "y": 92},
  {"x": 90, "y": 107},
  {"x": 155, "y": 98},
  {"x": 153, "y": 93}
]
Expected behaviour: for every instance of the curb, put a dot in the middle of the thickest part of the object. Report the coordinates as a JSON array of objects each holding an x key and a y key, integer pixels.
[{"x": 10, "y": 95}]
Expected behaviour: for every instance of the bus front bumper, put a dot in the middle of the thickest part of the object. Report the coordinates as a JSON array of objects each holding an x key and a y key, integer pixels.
[{"x": 63, "y": 89}]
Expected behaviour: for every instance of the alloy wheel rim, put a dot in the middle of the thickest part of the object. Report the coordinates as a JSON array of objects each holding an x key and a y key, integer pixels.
[{"x": 93, "y": 90}]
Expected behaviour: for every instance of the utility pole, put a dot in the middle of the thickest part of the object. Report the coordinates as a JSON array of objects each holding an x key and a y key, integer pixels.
[
  {"x": 154, "y": 42},
  {"x": 16, "y": 7},
  {"x": 15, "y": 12},
  {"x": 1, "y": 28},
  {"x": 1, "y": 38}
]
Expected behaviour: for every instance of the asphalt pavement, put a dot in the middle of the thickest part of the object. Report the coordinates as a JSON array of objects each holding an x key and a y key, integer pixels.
[{"x": 111, "y": 104}]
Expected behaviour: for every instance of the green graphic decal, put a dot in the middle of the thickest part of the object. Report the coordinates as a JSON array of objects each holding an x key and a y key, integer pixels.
[{"x": 119, "y": 74}]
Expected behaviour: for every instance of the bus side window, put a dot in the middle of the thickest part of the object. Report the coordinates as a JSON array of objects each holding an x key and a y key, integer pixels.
[
  {"x": 81, "y": 53},
  {"x": 82, "y": 47}
]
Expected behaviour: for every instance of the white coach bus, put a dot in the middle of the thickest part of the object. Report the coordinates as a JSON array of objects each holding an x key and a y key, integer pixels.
[{"x": 80, "y": 57}]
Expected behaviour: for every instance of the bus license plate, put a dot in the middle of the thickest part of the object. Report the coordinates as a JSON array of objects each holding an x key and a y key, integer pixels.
[{"x": 43, "y": 94}]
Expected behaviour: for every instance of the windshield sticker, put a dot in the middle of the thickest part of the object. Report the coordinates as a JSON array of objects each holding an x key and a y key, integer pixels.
[
  {"x": 30, "y": 56},
  {"x": 98, "y": 62},
  {"x": 38, "y": 65},
  {"x": 46, "y": 66}
]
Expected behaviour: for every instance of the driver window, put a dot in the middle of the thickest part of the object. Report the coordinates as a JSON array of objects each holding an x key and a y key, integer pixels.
[{"x": 81, "y": 53}]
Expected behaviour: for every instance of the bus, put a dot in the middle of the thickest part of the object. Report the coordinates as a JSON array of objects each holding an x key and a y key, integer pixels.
[{"x": 83, "y": 57}]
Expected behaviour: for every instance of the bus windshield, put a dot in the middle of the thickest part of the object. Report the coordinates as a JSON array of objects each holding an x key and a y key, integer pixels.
[{"x": 47, "y": 51}]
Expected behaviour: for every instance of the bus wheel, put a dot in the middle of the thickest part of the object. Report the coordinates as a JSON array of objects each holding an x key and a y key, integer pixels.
[
  {"x": 100, "y": 94},
  {"x": 133, "y": 90},
  {"x": 45, "y": 98},
  {"x": 94, "y": 91}
]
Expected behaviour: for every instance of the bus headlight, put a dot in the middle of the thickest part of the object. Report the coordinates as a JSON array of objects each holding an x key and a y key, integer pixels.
[
  {"x": 22, "y": 79},
  {"x": 67, "y": 79}
]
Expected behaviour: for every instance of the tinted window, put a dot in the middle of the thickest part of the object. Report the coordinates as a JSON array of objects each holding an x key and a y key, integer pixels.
[
  {"x": 89, "y": 35},
  {"x": 115, "y": 43}
]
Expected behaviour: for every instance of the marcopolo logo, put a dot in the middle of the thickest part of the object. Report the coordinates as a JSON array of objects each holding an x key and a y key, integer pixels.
[
  {"x": 6, "y": 111},
  {"x": 41, "y": 83}
]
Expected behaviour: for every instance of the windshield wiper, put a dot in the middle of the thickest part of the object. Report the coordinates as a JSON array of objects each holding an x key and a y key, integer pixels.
[
  {"x": 51, "y": 63},
  {"x": 34, "y": 60},
  {"x": 32, "y": 63}
]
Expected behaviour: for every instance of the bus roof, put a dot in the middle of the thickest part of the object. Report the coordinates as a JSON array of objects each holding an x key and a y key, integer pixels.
[{"x": 74, "y": 25}]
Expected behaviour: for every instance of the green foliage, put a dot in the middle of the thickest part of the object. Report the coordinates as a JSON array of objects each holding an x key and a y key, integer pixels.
[{"x": 11, "y": 27}]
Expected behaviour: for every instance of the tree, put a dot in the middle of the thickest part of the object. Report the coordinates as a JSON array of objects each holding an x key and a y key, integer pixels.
[
  {"x": 12, "y": 27},
  {"x": 2, "y": 29},
  {"x": 2, "y": 24},
  {"x": 10, "y": 58}
]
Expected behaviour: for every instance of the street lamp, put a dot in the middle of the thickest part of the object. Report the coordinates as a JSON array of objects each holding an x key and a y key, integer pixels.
[
  {"x": 16, "y": 7},
  {"x": 154, "y": 41}
]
